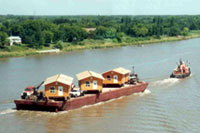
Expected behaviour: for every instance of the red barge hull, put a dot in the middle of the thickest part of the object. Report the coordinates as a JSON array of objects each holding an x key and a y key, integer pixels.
[{"x": 79, "y": 102}]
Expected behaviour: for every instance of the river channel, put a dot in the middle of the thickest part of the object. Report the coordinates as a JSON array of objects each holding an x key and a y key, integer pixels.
[{"x": 168, "y": 105}]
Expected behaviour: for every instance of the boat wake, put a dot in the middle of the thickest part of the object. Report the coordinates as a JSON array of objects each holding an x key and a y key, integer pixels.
[
  {"x": 7, "y": 111},
  {"x": 93, "y": 105},
  {"x": 146, "y": 92},
  {"x": 165, "y": 82}
]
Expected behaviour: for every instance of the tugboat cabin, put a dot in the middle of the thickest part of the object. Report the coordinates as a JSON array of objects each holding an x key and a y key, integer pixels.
[
  {"x": 90, "y": 81},
  {"x": 116, "y": 77},
  {"x": 58, "y": 86}
]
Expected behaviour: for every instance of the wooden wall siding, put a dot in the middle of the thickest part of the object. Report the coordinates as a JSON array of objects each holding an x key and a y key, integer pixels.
[
  {"x": 121, "y": 78},
  {"x": 66, "y": 90},
  {"x": 126, "y": 77},
  {"x": 91, "y": 79}
]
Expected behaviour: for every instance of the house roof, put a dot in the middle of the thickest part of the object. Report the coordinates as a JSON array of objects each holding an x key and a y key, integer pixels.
[
  {"x": 89, "y": 29},
  {"x": 87, "y": 74},
  {"x": 59, "y": 78},
  {"x": 120, "y": 70},
  {"x": 14, "y": 37}
]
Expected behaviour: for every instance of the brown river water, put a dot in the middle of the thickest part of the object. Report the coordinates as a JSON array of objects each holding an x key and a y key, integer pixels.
[{"x": 168, "y": 105}]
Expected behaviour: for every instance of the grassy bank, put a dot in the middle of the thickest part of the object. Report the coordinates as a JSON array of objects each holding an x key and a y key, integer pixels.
[
  {"x": 126, "y": 41},
  {"x": 18, "y": 51}
]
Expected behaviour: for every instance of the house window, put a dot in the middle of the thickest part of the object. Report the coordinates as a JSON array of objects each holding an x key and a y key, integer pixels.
[
  {"x": 108, "y": 77},
  {"x": 87, "y": 84},
  {"x": 52, "y": 89}
]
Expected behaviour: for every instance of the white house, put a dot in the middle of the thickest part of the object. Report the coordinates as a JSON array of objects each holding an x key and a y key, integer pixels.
[{"x": 14, "y": 39}]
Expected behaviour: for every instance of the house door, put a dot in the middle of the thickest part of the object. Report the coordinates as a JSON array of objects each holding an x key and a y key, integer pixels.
[
  {"x": 115, "y": 78},
  {"x": 94, "y": 84},
  {"x": 60, "y": 91}
]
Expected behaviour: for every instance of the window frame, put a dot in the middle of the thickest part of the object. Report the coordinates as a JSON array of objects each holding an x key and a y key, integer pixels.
[
  {"x": 87, "y": 84},
  {"x": 52, "y": 91},
  {"x": 109, "y": 79}
]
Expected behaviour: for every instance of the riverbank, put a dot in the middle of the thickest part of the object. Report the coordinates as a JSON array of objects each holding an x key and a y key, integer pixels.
[
  {"x": 110, "y": 44},
  {"x": 96, "y": 44}
]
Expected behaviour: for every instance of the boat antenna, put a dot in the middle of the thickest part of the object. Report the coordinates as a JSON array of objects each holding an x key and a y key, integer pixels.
[
  {"x": 133, "y": 71},
  {"x": 189, "y": 63},
  {"x": 186, "y": 62},
  {"x": 180, "y": 61}
]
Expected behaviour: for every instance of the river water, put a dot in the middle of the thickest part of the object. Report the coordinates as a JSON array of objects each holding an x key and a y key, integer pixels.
[{"x": 168, "y": 105}]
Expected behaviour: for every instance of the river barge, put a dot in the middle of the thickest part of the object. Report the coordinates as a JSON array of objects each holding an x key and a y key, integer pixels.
[{"x": 78, "y": 102}]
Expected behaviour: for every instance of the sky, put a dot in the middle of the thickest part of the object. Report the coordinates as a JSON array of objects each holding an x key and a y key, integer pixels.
[{"x": 100, "y": 7}]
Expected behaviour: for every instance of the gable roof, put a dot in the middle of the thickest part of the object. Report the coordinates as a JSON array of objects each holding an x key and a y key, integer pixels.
[
  {"x": 59, "y": 78},
  {"x": 14, "y": 37},
  {"x": 120, "y": 70},
  {"x": 86, "y": 74},
  {"x": 89, "y": 29}
]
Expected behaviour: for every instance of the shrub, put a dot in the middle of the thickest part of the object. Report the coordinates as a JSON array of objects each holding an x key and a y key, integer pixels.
[
  {"x": 59, "y": 45},
  {"x": 115, "y": 40}
]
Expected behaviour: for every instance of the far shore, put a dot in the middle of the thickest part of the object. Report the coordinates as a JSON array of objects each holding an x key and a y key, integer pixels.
[{"x": 90, "y": 45}]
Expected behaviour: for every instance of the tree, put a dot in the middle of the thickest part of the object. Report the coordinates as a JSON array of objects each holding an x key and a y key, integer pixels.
[
  {"x": 119, "y": 36},
  {"x": 185, "y": 31},
  {"x": 72, "y": 33},
  {"x": 110, "y": 33},
  {"x": 193, "y": 25},
  {"x": 41, "y": 30},
  {"x": 7, "y": 24},
  {"x": 126, "y": 20},
  {"x": 101, "y": 31},
  {"x": 48, "y": 36},
  {"x": 3, "y": 39},
  {"x": 39, "y": 40},
  {"x": 157, "y": 28},
  {"x": 140, "y": 30},
  {"x": 174, "y": 31},
  {"x": 104, "y": 32},
  {"x": 3, "y": 28},
  {"x": 16, "y": 29},
  {"x": 29, "y": 40},
  {"x": 59, "y": 45}
]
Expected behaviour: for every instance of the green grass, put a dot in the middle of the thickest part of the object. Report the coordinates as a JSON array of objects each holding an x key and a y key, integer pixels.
[
  {"x": 194, "y": 32},
  {"x": 126, "y": 41},
  {"x": 17, "y": 54},
  {"x": 18, "y": 51},
  {"x": 22, "y": 50}
]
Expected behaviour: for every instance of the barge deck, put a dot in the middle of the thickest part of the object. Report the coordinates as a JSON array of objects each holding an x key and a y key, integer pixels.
[{"x": 78, "y": 102}]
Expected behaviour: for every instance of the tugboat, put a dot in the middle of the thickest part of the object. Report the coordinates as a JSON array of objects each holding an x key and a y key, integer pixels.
[{"x": 182, "y": 71}]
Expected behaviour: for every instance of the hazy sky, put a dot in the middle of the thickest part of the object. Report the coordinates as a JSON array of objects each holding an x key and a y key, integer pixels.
[{"x": 99, "y": 7}]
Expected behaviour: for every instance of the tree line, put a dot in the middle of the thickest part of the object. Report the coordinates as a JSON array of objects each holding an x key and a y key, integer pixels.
[{"x": 38, "y": 31}]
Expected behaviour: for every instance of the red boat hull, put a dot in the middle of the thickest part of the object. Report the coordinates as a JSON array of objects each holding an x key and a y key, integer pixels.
[{"x": 75, "y": 103}]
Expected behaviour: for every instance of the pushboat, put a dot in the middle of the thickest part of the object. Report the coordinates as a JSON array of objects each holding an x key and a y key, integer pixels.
[
  {"x": 182, "y": 71},
  {"x": 176, "y": 74}
]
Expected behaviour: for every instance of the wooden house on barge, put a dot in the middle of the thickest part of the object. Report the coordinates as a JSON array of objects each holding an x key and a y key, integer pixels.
[
  {"x": 116, "y": 77},
  {"x": 90, "y": 81},
  {"x": 58, "y": 87}
]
